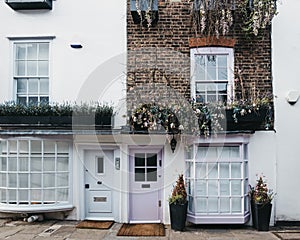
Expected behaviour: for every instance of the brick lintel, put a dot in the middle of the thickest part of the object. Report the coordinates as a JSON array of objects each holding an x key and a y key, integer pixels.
[{"x": 212, "y": 41}]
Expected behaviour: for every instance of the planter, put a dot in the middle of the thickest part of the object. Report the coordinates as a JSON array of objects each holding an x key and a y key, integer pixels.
[
  {"x": 178, "y": 213},
  {"x": 261, "y": 214}
]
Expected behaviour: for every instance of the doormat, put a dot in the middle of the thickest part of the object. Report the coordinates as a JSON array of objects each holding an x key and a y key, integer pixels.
[
  {"x": 145, "y": 230},
  {"x": 95, "y": 224},
  {"x": 287, "y": 235}
]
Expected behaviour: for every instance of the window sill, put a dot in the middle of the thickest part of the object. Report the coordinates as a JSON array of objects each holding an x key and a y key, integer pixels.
[
  {"x": 5, "y": 208},
  {"x": 219, "y": 219}
]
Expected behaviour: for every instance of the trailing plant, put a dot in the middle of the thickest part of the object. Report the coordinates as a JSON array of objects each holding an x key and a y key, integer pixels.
[{"x": 179, "y": 195}]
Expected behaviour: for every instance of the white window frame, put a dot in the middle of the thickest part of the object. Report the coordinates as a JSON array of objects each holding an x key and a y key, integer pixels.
[
  {"x": 15, "y": 77},
  {"x": 230, "y": 68},
  {"x": 36, "y": 205}
]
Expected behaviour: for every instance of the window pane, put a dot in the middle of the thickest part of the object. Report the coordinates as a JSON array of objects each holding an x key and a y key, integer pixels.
[
  {"x": 43, "y": 51},
  {"x": 33, "y": 101},
  {"x": 151, "y": 160},
  {"x": 36, "y": 196},
  {"x": 12, "y": 196},
  {"x": 12, "y": 147},
  {"x": 224, "y": 170},
  {"x": 20, "y": 51},
  {"x": 35, "y": 180},
  {"x": 2, "y": 195},
  {"x": 22, "y": 86},
  {"x": 36, "y": 164},
  {"x": 62, "y": 148},
  {"x": 23, "y": 180},
  {"x": 23, "y": 196},
  {"x": 62, "y": 194},
  {"x": 49, "y": 164},
  {"x": 139, "y": 175},
  {"x": 3, "y": 147},
  {"x": 62, "y": 163},
  {"x": 224, "y": 187},
  {"x": 44, "y": 99},
  {"x": 23, "y": 164},
  {"x": 236, "y": 187},
  {"x": 12, "y": 180},
  {"x": 236, "y": 170},
  {"x": 200, "y": 188},
  {"x": 49, "y": 180},
  {"x": 32, "y": 51},
  {"x": 36, "y": 147},
  {"x": 62, "y": 180},
  {"x": 224, "y": 205},
  {"x": 44, "y": 86},
  {"x": 152, "y": 174},
  {"x": 236, "y": 205},
  {"x": 212, "y": 188},
  {"x": 235, "y": 152},
  {"x": 32, "y": 68},
  {"x": 202, "y": 152},
  {"x": 139, "y": 159},
  {"x": 100, "y": 165},
  {"x": 201, "y": 170},
  {"x": 33, "y": 87},
  {"x": 222, "y": 74},
  {"x": 212, "y": 205},
  {"x": 212, "y": 170},
  {"x": 20, "y": 68},
  {"x": 3, "y": 164},
  {"x": 12, "y": 164},
  {"x": 201, "y": 205},
  {"x": 49, "y": 147},
  {"x": 199, "y": 67},
  {"x": 22, "y": 100},
  {"x": 43, "y": 68},
  {"x": 3, "y": 182},
  {"x": 211, "y": 67}
]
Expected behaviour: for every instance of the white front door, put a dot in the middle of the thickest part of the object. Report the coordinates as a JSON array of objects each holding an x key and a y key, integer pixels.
[
  {"x": 98, "y": 176},
  {"x": 145, "y": 173}
]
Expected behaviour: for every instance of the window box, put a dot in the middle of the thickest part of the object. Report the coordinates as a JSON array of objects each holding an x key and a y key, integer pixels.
[
  {"x": 29, "y": 4},
  {"x": 101, "y": 122}
]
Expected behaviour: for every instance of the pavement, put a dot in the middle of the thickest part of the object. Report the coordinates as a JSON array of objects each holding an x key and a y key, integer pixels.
[{"x": 66, "y": 230}]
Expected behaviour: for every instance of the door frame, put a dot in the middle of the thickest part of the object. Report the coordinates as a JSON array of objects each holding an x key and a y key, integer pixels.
[{"x": 150, "y": 149}]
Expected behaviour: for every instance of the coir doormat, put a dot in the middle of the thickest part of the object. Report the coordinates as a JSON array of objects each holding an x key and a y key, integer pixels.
[
  {"x": 95, "y": 224},
  {"x": 145, "y": 230}
]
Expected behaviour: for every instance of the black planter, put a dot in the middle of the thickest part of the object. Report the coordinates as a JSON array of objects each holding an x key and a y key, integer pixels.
[
  {"x": 178, "y": 214},
  {"x": 261, "y": 214}
]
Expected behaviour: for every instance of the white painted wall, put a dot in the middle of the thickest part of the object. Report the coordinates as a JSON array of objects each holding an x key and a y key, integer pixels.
[
  {"x": 100, "y": 26},
  {"x": 286, "y": 72}
]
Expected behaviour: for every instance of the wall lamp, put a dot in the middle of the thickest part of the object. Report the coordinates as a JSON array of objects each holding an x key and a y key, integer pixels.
[{"x": 173, "y": 144}]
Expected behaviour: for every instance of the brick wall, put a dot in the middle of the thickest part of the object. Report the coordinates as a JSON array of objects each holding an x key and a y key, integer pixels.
[{"x": 161, "y": 54}]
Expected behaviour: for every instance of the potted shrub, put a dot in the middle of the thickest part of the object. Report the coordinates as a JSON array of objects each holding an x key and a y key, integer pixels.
[
  {"x": 178, "y": 205},
  {"x": 261, "y": 206}
]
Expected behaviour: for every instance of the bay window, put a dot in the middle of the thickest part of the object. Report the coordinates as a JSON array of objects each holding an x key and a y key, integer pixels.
[{"x": 34, "y": 173}]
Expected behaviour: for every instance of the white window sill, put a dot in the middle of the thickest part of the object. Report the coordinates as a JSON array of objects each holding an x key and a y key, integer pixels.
[{"x": 5, "y": 208}]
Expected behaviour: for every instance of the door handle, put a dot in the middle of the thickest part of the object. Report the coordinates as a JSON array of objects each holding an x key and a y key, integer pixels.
[
  {"x": 87, "y": 186},
  {"x": 99, "y": 182}
]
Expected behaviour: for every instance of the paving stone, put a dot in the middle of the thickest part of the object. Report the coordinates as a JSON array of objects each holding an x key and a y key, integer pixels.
[{"x": 288, "y": 235}]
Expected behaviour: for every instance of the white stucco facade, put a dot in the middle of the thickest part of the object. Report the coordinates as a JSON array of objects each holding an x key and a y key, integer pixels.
[{"x": 286, "y": 80}]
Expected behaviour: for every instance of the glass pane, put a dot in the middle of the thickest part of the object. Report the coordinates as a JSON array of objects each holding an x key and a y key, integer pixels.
[
  {"x": 49, "y": 164},
  {"x": 202, "y": 152},
  {"x": 139, "y": 159},
  {"x": 23, "y": 196},
  {"x": 43, "y": 51},
  {"x": 189, "y": 169},
  {"x": 212, "y": 205},
  {"x": 12, "y": 147},
  {"x": 199, "y": 67},
  {"x": 211, "y": 67},
  {"x": 235, "y": 152},
  {"x": 224, "y": 205},
  {"x": 3, "y": 164},
  {"x": 236, "y": 170},
  {"x": 33, "y": 87},
  {"x": 3, "y": 182},
  {"x": 152, "y": 160},
  {"x": 213, "y": 152},
  {"x": 31, "y": 68},
  {"x": 23, "y": 180},
  {"x": 12, "y": 180},
  {"x": 36, "y": 147},
  {"x": 191, "y": 204},
  {"x": 212, "y": 188},
  {"x": 222, "y": 74},
  {"x": 23, "y": 147},
  {"x": 201, "y": 205},
  {"x": 20, "y": 51},
  {"x": 21, "y": 100},
  {"x": 100, "y": 165},
  {"x": 36, "y": 196},
  {"x": 222, "y": 61},
  {"x": 139, "y": 175},
  {"x": 35, "y": 180},
  {"x": 236, "y": 187},
  {"x": 2, "y": 196},
  {"x": 20, "y": 68},
  {"x": 151, "y": 174},
  {"x": 201, "y": 170},
  {"x": 33, "y": 101},
  {"x": 44, "y": 86},
  {"x": 32, "y": 51},
  {"x": 49, "y": 180},
  {"x": 44, "y": 99},
  {"x": 43, "y": 68},
  {"x": 62, "y": 194},
  {"x": 49, "y": 147},
  {"x": 212, "y": 170},
  {"x": 22, "y": 86},
  {"x": 3, "y": 147},
  {"x": 236, "y": 205},
  {"x": 62, "y": 180},
  {"x": 62, "y": 163},
  {"x": 224, "y": 170},
  {"x": 200, "y": 188},
  {"x": 12, "y": 196},
  {"x": 12, "y": 164},
  {"x": 212, "y": 98},
  {"x": 62, "y": 148},
  {"x": 224, "y": 187},
  {"x": 36, "y": 164},
  {"x": 49, "y": 196},
  {"x": 189, "y": 154}
]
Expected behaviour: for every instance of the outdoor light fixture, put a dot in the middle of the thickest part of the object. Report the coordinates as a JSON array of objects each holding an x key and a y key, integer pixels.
[{"x": 173, "y": 144}]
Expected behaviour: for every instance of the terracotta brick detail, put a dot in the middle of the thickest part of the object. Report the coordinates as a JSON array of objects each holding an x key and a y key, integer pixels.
[{"x": 212, "y": 41}]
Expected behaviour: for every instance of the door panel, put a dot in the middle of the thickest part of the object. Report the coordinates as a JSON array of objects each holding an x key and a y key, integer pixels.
[
  {"x": 99, "y": 180},
  {"x": 145, "y": 185}
]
